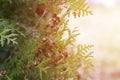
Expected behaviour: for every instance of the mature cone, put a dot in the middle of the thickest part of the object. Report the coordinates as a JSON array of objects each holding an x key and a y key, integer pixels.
[{"x": 40, "y": 9}]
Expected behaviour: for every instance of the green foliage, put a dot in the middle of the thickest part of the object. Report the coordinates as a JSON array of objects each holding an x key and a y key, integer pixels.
[
  {"x": 5, "y": 37},
  {"x": 8, "y": 33},
  {"x": 42, "y": 52}
]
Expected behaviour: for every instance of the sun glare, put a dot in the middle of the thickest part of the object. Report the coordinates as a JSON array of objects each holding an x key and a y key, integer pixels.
[{"x": 108, "y": 3}]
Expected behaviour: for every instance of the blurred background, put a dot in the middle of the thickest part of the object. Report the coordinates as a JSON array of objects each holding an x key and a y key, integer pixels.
[{"x": 102, "y": 29}]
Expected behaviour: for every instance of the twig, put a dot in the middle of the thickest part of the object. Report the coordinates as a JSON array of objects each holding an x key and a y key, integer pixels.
[{"x": 38, "y": 22}]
